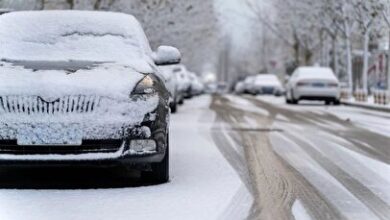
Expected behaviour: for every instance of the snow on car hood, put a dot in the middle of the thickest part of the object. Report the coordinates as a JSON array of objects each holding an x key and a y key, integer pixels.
[{"x": 58, "y": 79}]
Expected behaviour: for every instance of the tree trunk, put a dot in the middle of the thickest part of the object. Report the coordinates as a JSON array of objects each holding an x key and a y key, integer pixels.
[
  {"x": 297, "y": 52},
  {"x": 335, "y": 56},
  {"x": 308, "y": 56},
  {"x": 388, "y": 65},
  {"x": 365, "y": 61},
  {"x": 347, "y": 32}
]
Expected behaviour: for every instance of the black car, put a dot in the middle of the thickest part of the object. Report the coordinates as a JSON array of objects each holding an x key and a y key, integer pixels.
[{"x": 83, "y": 89}]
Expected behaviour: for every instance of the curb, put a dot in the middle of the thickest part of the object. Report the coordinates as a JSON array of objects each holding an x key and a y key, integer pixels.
[{"x": 366, "y": 106}]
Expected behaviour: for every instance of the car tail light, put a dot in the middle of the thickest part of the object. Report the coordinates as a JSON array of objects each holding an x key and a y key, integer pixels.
[{"x": 303, "y": 84}]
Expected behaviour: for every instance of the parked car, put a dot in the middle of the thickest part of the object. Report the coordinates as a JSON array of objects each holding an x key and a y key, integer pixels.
[
  {"x": 184, "y": 82},
  {"x": 197, "y": 86},
  {"x": 266, "y": 84},
  {"x": 313, "y": 83},
  {"x": 83, "y": 90},
  {"x": 239, "y": 88},
  {"x": 248, "y": 83},
  {"x": 172, "y": 84}
]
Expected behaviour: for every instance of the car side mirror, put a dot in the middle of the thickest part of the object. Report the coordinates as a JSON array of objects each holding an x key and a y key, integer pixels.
[{"x": 166, "y": 55}]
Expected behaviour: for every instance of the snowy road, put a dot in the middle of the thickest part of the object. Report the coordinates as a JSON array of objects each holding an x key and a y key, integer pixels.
[
  {"x": 311, "y": 161},
  {"x": 232, "y": 158}
]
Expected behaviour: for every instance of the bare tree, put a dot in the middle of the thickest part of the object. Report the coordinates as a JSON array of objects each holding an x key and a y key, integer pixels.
[
  {"x": 386, "y": 17},
  {"x": 366, "y": 12}
]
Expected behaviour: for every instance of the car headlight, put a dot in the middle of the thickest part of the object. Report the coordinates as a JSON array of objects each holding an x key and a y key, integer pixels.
[{"x": 145, "y": 86}]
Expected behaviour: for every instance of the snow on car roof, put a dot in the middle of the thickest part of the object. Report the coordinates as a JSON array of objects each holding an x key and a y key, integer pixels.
[
  {"x": 71, "y": 35},
  {"x": 267, "y": 79},
  {"x": 315, "y": 73}
]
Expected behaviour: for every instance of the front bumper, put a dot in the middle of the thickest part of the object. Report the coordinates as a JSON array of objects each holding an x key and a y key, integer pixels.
[{"x": 106, "y": 138}]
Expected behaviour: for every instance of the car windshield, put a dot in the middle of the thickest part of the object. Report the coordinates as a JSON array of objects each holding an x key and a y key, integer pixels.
[{"x": 62, "y": 36}]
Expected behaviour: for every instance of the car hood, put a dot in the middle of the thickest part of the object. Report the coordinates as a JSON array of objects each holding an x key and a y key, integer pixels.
[{"x": 58, "y": 79}]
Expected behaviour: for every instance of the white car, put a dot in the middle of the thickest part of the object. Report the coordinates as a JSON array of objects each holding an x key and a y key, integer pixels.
[
  {"x": 248, "y": 83},
  {"x": 266, "y": 84},
  {"x": 172, "y": 84},
  {"x": 197, "y": 86},
  {"x": 313, "y": 83},
  {"x": 184, "y": 81},
  {"x": 239, "y": 88}
]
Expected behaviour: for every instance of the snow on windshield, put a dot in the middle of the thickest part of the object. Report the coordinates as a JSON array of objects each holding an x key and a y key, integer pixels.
[{"x": 71, "y": 35}]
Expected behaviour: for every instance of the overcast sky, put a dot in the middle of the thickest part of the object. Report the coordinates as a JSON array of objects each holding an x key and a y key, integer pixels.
[{"x": 234, "y": 21}]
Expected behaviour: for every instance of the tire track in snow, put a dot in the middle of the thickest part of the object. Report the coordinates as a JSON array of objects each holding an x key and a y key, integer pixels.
[
  {"x": 358, "y": 139},
  {"x": 373, "y": 202},
  {"x": 277, "y": 185}
]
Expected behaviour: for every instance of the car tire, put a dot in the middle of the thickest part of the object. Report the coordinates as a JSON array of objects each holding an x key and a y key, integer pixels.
[
  {"x": 294, "y": 102},
  {"x": 173, "y": 107},
  {"x": 288, "y": 101},
  {"x": 336, "y": 102},
  {"x": 159, "y": 173},
  {"x": 327, "y": 102}
]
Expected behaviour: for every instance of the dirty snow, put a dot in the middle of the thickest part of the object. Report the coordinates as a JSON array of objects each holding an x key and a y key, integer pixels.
[
  {"x": 246, "y": 105},
  {"x": 350, "y": 206}
]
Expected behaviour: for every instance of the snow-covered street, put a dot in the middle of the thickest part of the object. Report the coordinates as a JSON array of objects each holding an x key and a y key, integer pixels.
[
  {"x": 232, "y": 158},
  {"x": 312, "y": 161},
  {"x": 203, "y": 184}
]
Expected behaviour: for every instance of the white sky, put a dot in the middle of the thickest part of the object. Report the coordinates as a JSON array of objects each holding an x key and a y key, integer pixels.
[{"x": 234, "y": 22}]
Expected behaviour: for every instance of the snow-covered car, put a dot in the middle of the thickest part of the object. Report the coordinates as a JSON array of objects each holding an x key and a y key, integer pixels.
[
  {"x": 248, "y": 83},
  {"x": 268, "y": 84},
  {"x": 239, "y": 88},
  {"x": 171, "y": 82},
  {"x": 184, "y": 82},
  {"x": 80, "y": 87},
  {"x": 313, "y": 83},
  {"x": 197, "y": 86}
]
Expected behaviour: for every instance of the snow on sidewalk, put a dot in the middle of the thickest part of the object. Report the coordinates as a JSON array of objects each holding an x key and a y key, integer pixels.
[
  {"x": 203, "y": 184},
  {"x": 368, "y": 105}
]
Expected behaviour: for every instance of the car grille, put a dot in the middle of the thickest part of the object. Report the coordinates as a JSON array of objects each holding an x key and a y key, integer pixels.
[
  {"x": 38, "y": 105},
  {"x": 88, "y": 146}
]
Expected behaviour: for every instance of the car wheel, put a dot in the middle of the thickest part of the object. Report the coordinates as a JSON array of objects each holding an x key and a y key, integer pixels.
[
  {"x": 181, "y": 101},
  {"x": 173, "y": 107},
  {"x": 327, "y": 102},
  {"x": 288, "y": 101},
  {"x": 336, "y": 102},
  {"x": 294, "y": 101},
  {"x": 159, "y": 171}
]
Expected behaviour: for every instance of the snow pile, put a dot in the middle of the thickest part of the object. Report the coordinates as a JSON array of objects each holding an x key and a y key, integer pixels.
[{"x": 73, "y": 35}]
